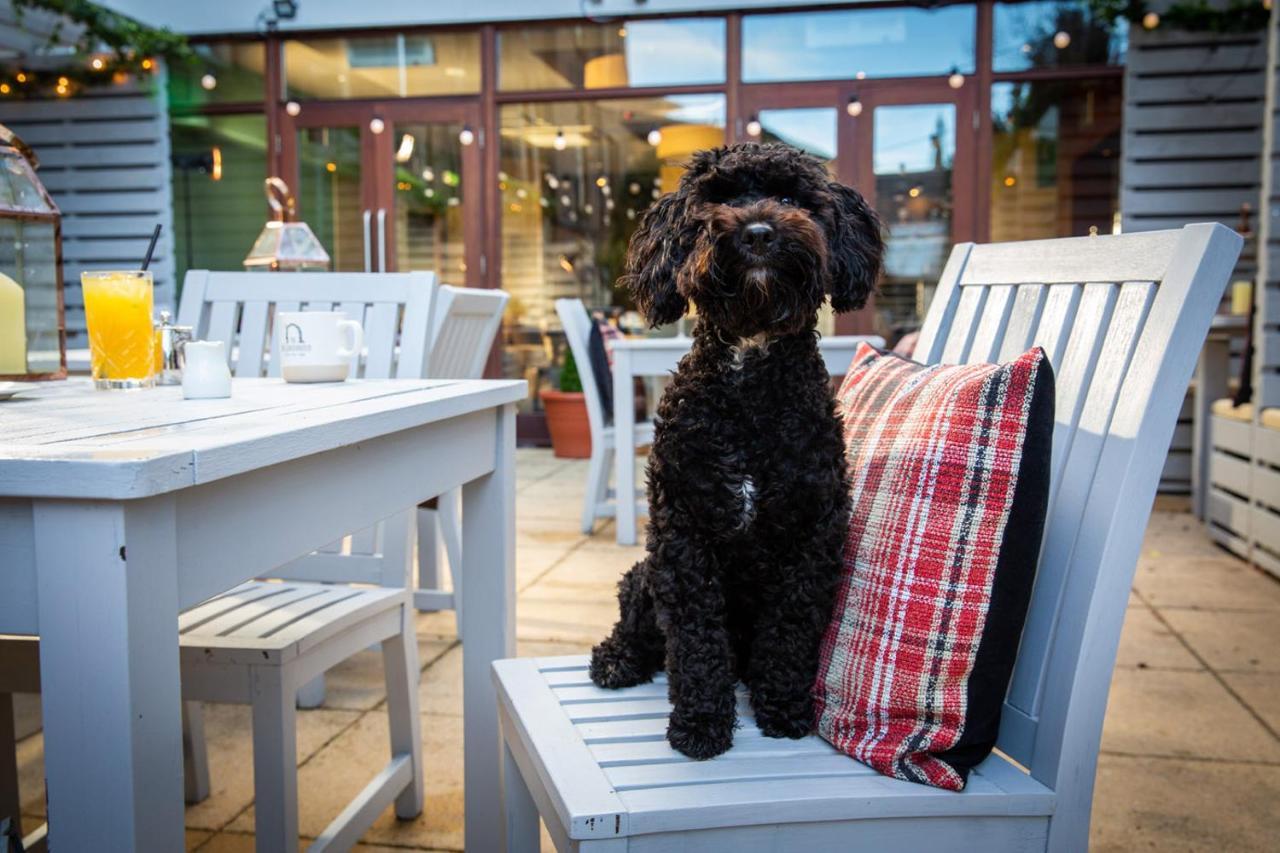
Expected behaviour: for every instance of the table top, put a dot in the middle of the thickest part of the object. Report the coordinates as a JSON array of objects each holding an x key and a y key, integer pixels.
[
  {"x": 66, "y": 439},
  {"x": 683, "y": 342}
]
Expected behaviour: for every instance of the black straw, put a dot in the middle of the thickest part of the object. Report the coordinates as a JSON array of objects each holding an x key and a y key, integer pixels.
[{"x": 155, "y": 235}]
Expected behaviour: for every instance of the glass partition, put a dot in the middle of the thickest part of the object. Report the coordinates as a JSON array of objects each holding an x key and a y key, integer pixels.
[
  {"x": 1055, "y": 158},
  {"x": 856, "y": 43},
  {"x": 575, "y": 178},
  {"x": 218, "y": 207},
  {"x": 220, "y": 73},
  {"x": 661, "y": 52},
  {"x": 1055, "y": 34},
  {"x": 397, "y": 65}
]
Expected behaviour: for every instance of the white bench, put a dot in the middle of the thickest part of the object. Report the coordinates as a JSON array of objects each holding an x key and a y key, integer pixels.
[{"x": 1122, "y": 319}]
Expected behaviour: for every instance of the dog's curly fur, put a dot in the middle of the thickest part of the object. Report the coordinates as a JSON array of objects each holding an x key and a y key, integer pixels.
[{"x": 748, "y": 494}]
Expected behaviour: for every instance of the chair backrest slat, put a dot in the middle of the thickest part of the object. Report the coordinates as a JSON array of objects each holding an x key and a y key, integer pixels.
[
  {"x": 1121, "y": 319},
  {"x": 577, "y": 331},
  {"x": 466, "y": 323}
]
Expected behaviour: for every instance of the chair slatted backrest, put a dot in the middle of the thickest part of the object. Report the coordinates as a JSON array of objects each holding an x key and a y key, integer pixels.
[
  {"x": 396, "y": 310},
  {"x": 577, "y": 331},
  {"x": 1122, "y": 319},
  {"x": 466, "y": 322}
]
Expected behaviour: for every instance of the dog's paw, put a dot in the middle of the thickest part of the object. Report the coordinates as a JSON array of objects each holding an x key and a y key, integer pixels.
[
  {"x": 782, "y": 726},
  {"x": 701, "y": 738},
  {"x": 614, "y": 669}
]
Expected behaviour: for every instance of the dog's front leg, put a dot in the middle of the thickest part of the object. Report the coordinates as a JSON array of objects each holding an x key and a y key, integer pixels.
[
  {"x": 691, "y": 611},
  {"x": 634, "y": 650}
]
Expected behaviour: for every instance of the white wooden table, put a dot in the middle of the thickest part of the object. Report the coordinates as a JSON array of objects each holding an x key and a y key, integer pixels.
[
  {"x": 120, "y": 509},
  {"x": 634, "y": 357}
]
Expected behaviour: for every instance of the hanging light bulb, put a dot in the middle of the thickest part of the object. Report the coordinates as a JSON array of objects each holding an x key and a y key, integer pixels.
[
  {"x": 654, "y": 137},
  {"x": 1061, "y": 39},
  {"x": 208, "y": 82},
  {"x": 854, "y": 107},
  {"x": 466, "y": 136},
  {"x": 956, "y": 80},
  {"x": 428, "y": 174},
  {"x": 559, "y": 143},
  {"x": 754, "y": 127},
  {"x": 1150, "y": 21},
  {"x": 552, "y": 181},
  {"x": 293, "y": 108},
  {"x": 634, "y": 188},
  {"x": 602, "y": 182},
  {"x": 97, "y": 63},
  {"x": 377, "y": 125},
  {"x": 565, "y": 200}
]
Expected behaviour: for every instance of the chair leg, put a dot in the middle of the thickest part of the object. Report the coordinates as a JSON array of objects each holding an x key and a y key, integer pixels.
[
  {"x": 449, "y": 524},
  {"x": 311, "y": 694},
  {"x": 523, "y": 835},
  {"x": 400, "y": 666},
  {"x": 275, "y": 759},
  {"x": 195, "y": 754},
  {"x": 10, "y": 800},
  {"x": 597, "y": 486},
  {"x": 428, "y": 548}
]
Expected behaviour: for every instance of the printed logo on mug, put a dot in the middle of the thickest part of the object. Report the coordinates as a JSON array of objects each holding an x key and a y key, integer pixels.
[{"x": 317, "y": 346}]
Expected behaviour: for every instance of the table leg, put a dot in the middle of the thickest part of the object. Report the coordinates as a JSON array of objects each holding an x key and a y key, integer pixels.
[
  {"x": 108, "y": 606},
  {"x": 486, "y": 625},
  {"x": 624, "y": 418},
  {"x": 1211, "y": 384}
]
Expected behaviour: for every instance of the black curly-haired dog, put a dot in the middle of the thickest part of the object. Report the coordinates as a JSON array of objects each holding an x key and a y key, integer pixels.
[{"x": 748, "y": 495}]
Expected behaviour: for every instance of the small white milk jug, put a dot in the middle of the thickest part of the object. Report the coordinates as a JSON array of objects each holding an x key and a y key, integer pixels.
[{"x": 206, "y": 374}]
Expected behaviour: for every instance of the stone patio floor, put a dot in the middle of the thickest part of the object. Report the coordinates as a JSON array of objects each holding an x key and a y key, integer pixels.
[{"x": 1190, "y": 755}]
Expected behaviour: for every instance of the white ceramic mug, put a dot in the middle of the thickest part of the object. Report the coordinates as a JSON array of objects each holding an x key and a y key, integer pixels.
[
  {"x": 317, "y": 346},
  {"x": 205, "y": 374}
]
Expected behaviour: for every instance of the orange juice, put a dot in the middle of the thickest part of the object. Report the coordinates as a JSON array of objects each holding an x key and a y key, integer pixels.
[{"x": 117, "y": 311}]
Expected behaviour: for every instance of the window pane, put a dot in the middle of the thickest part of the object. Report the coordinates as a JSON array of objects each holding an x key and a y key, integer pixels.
[
  {"x": 230, "y": 72},
  {"x": 1055, "y": 158},
  {"x": 428, "y": 212},
  {"x": 1055, "y": 33},
  {"x": 216, "y": 217},
  {"x": 330, "y": 184},
  {"x": 852, "y": 42},
  {"x": 914, "y": 149},
  {"x": 811, "y": 129},
  {"x": 595, "y": 56},
  {"x": 575, "y": 178},
  {"x": 391, "y": 66}
]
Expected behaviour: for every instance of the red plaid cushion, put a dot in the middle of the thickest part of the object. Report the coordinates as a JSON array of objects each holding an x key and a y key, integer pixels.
[{"x": 949, "y": 468}]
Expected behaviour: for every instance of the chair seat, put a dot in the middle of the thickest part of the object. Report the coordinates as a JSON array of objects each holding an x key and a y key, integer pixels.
[
  {"x": 271, "y": 623},
  {"x": 609, "y": 771}
]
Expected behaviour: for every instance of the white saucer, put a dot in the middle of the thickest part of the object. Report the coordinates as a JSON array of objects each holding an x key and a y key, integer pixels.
[{"x": 9, "y": 390}]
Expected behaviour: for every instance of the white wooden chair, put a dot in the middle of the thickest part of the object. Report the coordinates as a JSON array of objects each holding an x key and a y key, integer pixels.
[
  {"x": 466, "y": 323},
  {"x": 600, "y": 500},
  {"x": 262, "y": 642},
  {"x": 1122, "y": 319}
]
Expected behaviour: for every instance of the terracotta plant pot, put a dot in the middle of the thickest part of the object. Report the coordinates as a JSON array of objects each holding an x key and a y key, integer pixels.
[{"x": 567, "y": 421}]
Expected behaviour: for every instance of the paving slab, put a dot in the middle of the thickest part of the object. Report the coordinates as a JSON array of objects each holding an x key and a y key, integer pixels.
[
  {"x": 1215, "y": 582},
  {"x": 1146, "y": 643},
  {"x": 1260, "y": 691},
  {"x": 1246, "y": 641}
]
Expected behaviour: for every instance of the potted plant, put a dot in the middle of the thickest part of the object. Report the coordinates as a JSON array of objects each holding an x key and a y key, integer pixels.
[{"x": 567, "y": 413}]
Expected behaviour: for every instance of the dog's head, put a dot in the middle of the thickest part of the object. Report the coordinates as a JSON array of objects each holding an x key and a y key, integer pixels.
[{"x": 756, "y": 235}]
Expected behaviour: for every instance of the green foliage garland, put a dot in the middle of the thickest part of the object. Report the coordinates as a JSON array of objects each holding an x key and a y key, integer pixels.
[
  {"x": 108, "y": 46},
  {"x": 1238, "y": 16}
]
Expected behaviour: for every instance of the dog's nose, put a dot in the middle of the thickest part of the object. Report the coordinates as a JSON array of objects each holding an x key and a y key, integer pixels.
[{"x": 758, "y": 235}]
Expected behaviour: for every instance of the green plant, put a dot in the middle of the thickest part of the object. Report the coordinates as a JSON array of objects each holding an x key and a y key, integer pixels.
[{"x": 570, "y": 381}]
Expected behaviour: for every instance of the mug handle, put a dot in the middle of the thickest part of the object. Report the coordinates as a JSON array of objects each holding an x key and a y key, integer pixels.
[{"x": 357, "y": 338}]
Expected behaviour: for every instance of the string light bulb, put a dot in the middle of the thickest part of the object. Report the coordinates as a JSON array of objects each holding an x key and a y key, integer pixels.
[
  {"x": 1150, "y": 21},
  {"x": 655, "y": 137},
  {"x": 97, "y": 63},
  {"x": 208, "y": 82},
  {"x": 754, "y": 128},
  {"x": 21, "y": 77},
  {"x": 956, "y": 80},
  {"x": 293, "y": 108},
  {"x": 559, "y": 143},
  {"x": 467, "y": 136},
  {"x": 854, "y": 107},
  {"x": 1061, "y": 39},
  {"x": 377, "y": 125},
  {"x": 148, "y": 64}
]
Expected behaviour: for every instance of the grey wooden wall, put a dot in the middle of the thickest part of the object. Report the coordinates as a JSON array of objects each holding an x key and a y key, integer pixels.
[
  {"x": 1267, "y": 363},
  {"x": 104, "y": 156},
  {"x": 1193, "y": 121}
]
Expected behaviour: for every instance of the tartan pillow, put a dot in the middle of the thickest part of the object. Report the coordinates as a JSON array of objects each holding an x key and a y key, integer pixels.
[{"x": 949, "y": 470}]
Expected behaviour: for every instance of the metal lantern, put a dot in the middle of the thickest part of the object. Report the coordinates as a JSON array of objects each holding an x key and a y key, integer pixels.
[
  {"x": 285, "y": 244},
  {"x": 33, "y": 338}
]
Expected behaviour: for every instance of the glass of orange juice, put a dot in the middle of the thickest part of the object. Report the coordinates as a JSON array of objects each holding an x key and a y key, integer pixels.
[{"x": 122, "y": 343}]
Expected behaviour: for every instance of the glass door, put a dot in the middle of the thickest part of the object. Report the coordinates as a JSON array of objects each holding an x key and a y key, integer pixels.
[
  {"x": 392, "y": 186},
  {"x": 897, "y": 142}
]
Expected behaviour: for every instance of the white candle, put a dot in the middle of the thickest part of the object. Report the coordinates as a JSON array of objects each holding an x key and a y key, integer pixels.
[{"x": 13, "y": 327}]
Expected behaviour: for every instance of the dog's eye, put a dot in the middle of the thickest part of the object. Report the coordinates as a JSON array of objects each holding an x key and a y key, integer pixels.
[{"x": 786, "y": 199}]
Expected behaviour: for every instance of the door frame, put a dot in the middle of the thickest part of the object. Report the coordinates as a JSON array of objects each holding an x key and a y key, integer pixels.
[{"x": 377, "y": 159}]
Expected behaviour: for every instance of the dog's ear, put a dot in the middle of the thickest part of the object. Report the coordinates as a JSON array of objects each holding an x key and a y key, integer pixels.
[
  {"x": 654, "y": 256},
  {"x": 855, "y": 249}
]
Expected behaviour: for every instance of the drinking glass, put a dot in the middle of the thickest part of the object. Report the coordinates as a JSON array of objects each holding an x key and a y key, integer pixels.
[{"x": 122, "y": 341}]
